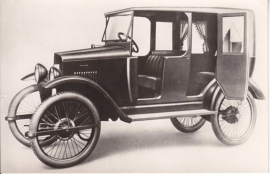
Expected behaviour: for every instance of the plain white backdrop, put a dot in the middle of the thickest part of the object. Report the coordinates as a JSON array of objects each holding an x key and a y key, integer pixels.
[{"x": 31, "y": 31}]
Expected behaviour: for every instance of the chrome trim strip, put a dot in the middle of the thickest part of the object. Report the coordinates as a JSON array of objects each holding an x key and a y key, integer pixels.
[
  {"x": 156, "y": 98},
  {"x": 149, "y": 77},
  {"x": 164, "y": 115},
  {"x": 160, "y": 105},
  {"x": 128, "y": 79},
  {"x": 204, "y": 90}
]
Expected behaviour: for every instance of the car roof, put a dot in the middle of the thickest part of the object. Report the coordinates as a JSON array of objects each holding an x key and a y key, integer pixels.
[{"x": 180, "y": 9}]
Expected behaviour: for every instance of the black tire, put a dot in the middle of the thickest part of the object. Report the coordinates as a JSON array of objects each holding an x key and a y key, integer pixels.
[
  {"x": 188, "y": 124},
  {"x": 67, "y": 109},
  {"x": 27, "y": 96},
  {"x": 231, "y": 126},
  {"x": 25, "y": 102}
]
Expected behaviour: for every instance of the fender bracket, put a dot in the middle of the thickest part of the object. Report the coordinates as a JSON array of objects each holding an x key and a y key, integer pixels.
[{"x": 18, "y": 117}]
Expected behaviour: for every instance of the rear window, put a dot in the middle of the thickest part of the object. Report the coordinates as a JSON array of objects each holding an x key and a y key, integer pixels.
[{"x": 233, "y": 34}]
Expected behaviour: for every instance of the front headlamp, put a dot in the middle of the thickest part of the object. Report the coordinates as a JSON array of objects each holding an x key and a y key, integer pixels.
[
  {"x": 40, "y": 73},
  {"x": 54, "y": 73}
]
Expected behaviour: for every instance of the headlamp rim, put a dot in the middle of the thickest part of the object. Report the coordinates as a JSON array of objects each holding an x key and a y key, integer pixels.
[
  {"x": 40, "y": 72},
  {"x": 54, "y": 73}
]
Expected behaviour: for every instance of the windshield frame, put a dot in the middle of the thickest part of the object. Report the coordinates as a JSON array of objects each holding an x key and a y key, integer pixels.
[{"x": 129, "y": 31}]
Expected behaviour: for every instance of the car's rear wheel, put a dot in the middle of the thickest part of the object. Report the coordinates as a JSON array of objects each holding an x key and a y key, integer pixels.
[
  {"x": 188, "y": 124},
  {"x": 80, "y": 120},
  {"x": 235, "y": 120}
]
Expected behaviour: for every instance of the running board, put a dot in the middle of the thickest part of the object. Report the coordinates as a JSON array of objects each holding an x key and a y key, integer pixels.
[{"x": 164, "y": 115}]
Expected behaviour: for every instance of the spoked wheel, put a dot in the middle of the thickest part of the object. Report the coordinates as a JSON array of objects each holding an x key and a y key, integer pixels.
[
  {"x": 235, "y": 120},
  {"x": 188, "y": 124},
  {"x": 24, "y": 105},
  {"x": 74, "y": 120}
]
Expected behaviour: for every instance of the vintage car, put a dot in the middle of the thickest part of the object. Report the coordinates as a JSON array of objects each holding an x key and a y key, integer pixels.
[{"x": 190, "y": 65}]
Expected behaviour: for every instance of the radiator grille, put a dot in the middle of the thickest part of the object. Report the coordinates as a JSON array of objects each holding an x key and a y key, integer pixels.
[{"x": 92, "y": 75}]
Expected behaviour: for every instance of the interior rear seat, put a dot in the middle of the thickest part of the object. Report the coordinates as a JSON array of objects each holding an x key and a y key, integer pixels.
[{"x": 204, "y": 77}]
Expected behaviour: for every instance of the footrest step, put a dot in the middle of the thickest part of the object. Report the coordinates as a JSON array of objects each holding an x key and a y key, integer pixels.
[{"x": 174, "y": 114}]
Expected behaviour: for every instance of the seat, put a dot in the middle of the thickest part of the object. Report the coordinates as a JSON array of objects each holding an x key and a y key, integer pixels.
[
  {"x": 152, "y": 74},
  {"x": 204, "y": 77}
]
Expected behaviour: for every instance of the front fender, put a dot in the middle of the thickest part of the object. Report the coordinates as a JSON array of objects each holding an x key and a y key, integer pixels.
[
  {"x": 81, "y": 80},
  {"x": 255, "y": 90},
  {"x": 30, "y": 76}
]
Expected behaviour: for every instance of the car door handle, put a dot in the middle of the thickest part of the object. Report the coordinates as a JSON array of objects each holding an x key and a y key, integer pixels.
[{"x": 84, "y": 65}]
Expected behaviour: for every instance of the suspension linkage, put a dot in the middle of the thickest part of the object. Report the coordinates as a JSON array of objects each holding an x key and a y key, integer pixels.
[{"x": 57, "y": 131}]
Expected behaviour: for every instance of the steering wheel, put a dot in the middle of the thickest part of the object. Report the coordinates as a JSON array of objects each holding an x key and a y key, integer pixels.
[{"x": 135, "y": 49}]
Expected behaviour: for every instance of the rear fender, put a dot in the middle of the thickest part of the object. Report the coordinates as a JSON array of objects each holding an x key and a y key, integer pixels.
[
  {"x": 255, "y": 90},
  {"x": 89, "y": 83},
  {"x": 214, "y": 91},
  {"x": 207, "y": 99},
  {"x": 252, "y": 88}
]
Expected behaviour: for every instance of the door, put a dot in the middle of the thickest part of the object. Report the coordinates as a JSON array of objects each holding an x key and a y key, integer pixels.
[{"x": 232, "y": 60}]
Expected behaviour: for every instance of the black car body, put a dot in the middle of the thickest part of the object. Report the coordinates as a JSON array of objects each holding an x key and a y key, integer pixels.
[{"x": 182, "y": 76}]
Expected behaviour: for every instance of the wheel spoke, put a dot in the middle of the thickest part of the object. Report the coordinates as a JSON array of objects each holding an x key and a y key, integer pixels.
[
  {"x": 30, "y": 105},
  {"x": 56, "y": 112},
  {"x": 80, "y": 114},
  {"x": 190, "y": 122},
  {"x": 52, "y": 148},
  {"x": 54, "y": 116},
  {"x": 65, "y": 110}
]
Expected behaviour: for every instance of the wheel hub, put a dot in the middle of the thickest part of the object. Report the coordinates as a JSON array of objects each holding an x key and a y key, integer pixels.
[
  {"x": 230, "y": 114},
  {"x": 64, "y": 123}
]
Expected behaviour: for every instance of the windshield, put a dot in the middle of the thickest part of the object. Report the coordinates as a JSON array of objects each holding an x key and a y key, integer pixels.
[{"x": 117, "y": 24}]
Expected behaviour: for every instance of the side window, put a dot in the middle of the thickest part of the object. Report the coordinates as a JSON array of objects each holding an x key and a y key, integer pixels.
[
  {"x": 233, "y": 34},
  {"x": 199, "y": 38},
  {"x": 163, "y": 36},
  {"x": 141, "y": 35}
]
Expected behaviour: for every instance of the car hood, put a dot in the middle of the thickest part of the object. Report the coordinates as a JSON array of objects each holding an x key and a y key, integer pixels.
[{"x": 93, "y": 53}]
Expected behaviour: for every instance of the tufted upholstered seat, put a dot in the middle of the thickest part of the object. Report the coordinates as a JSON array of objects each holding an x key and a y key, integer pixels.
[
  {"x": 204, "y": 77},
  {"x": 151, "y": 79}
]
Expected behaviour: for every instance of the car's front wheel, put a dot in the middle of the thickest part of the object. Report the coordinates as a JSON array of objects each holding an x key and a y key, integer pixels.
[
  {"x": 235, "y": 119},
  {"x": 23, "y": 104},
  {"x": 74, "y": 120}
]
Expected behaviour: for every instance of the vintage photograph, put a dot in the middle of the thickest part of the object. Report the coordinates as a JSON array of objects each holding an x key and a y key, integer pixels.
[{"x": 134, "y": 86}]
